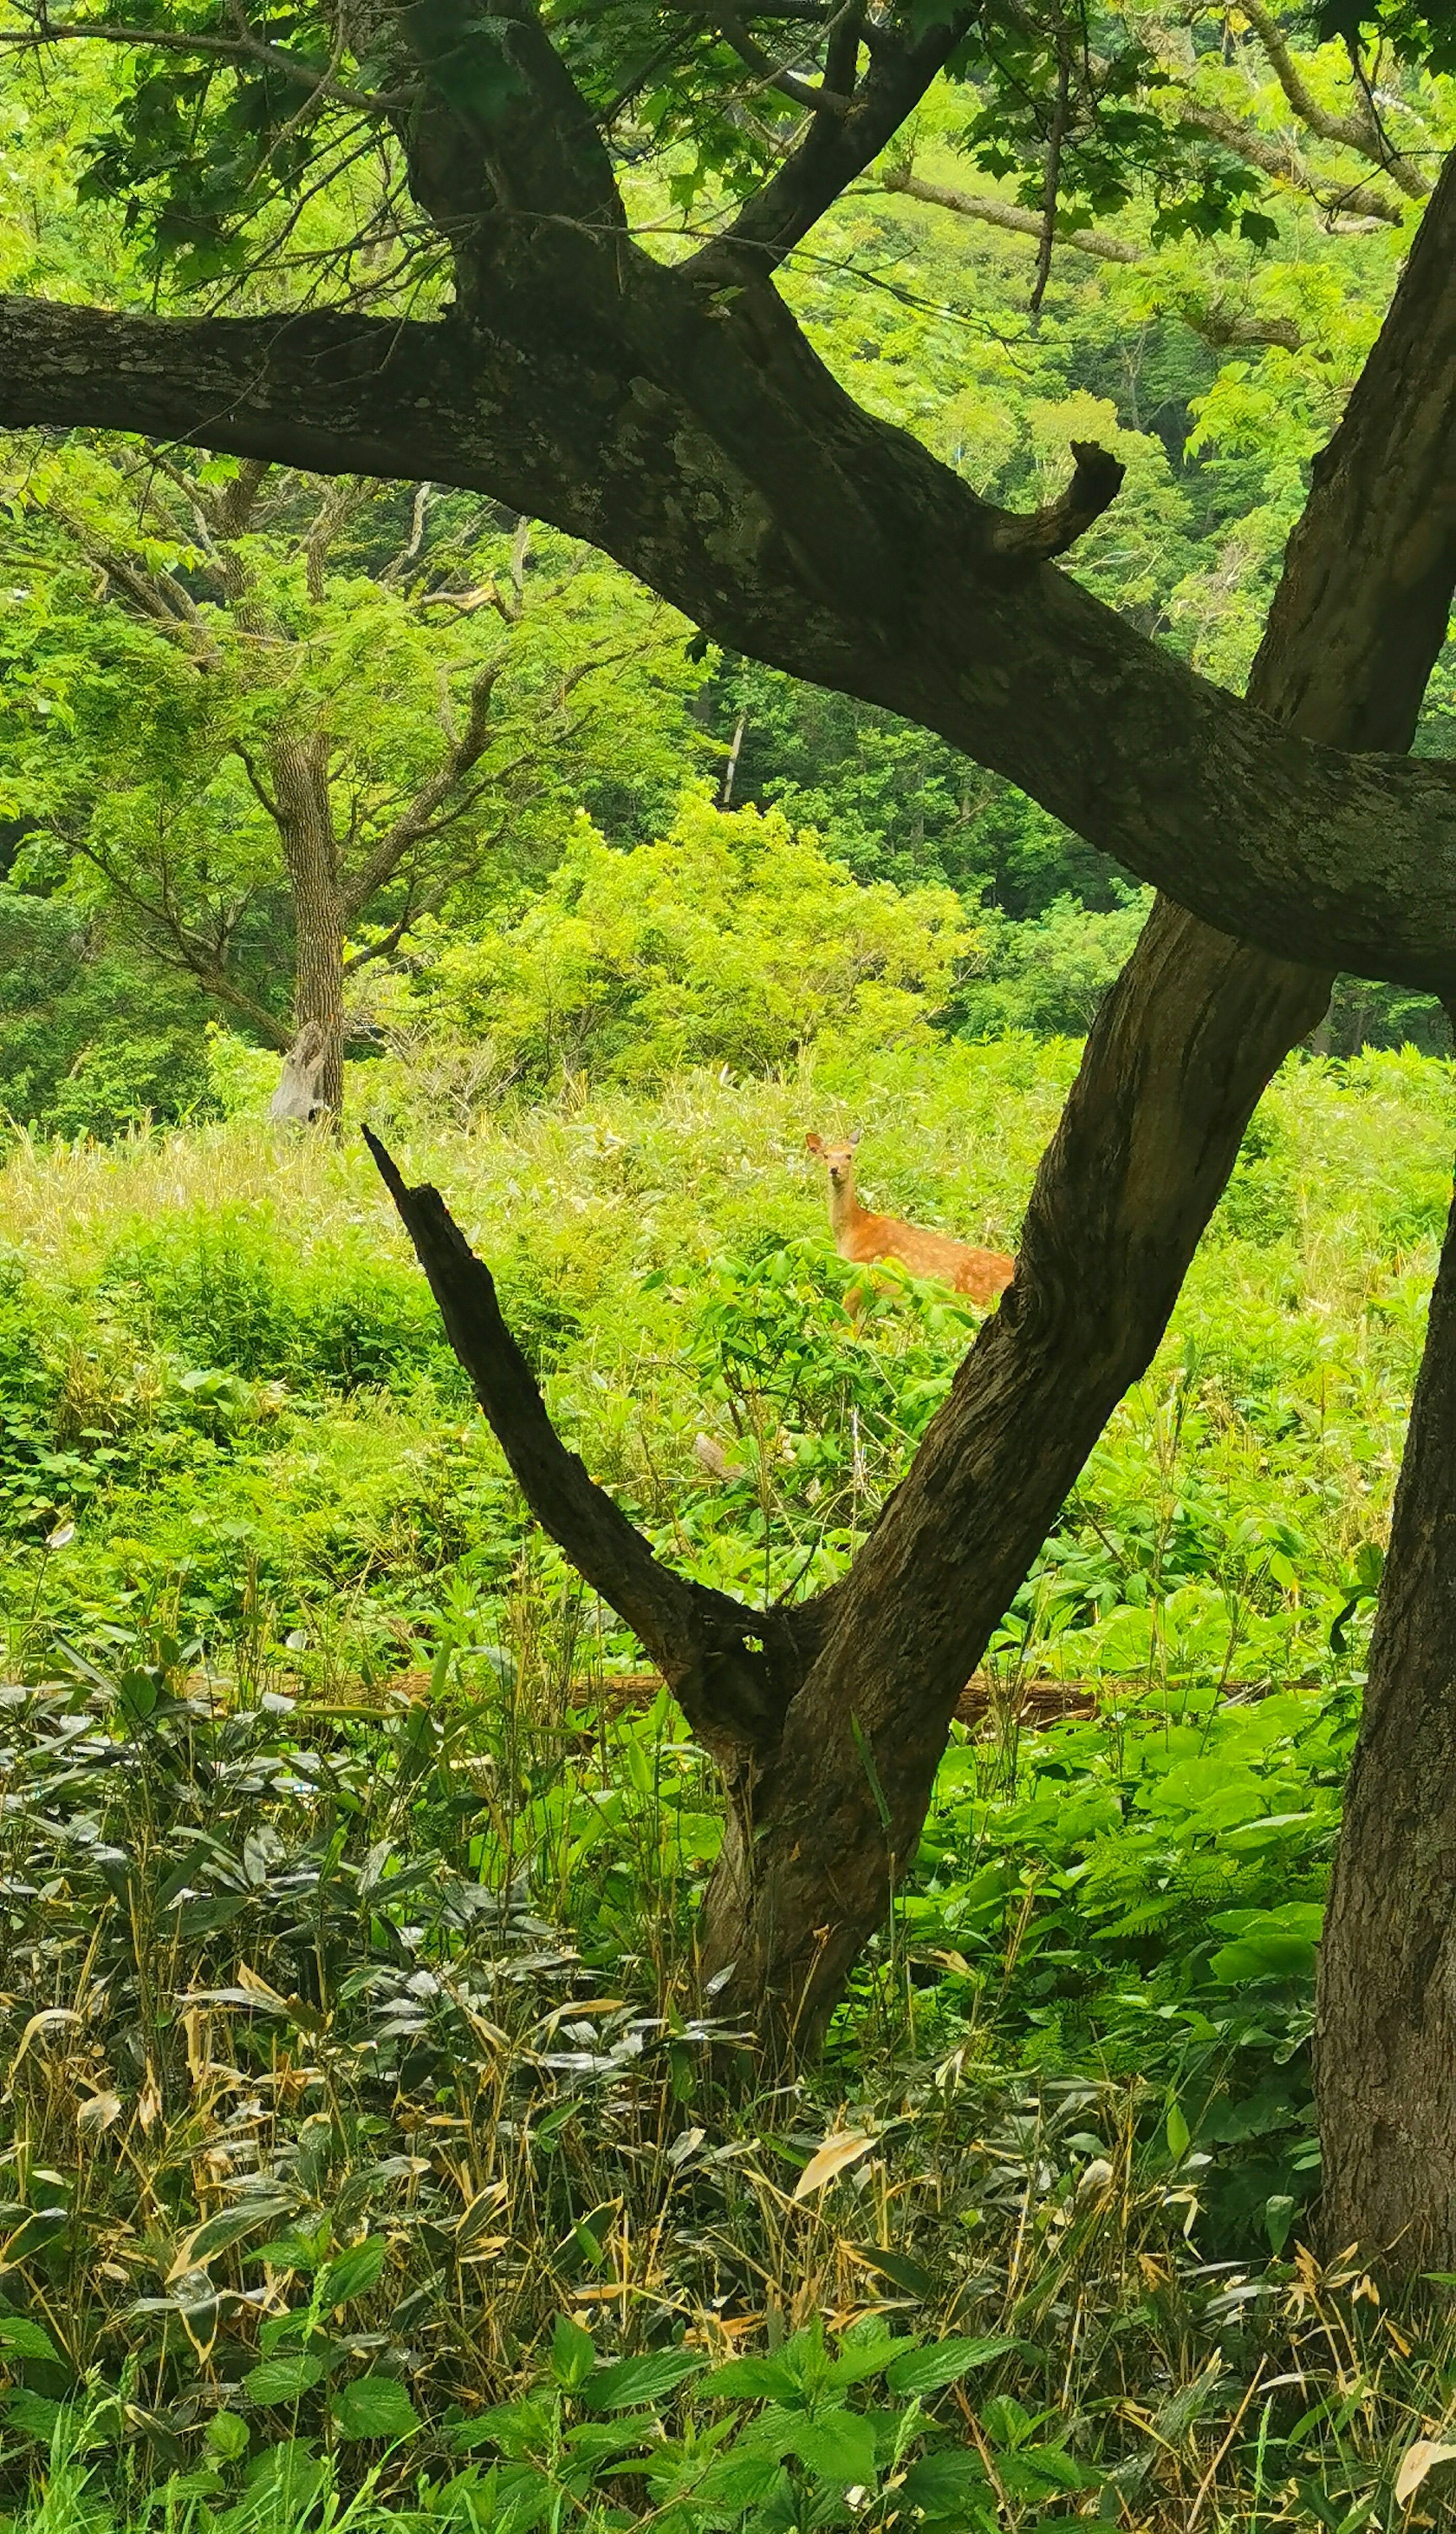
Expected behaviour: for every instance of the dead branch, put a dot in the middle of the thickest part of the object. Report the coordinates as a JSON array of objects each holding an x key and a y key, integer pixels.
[{"x": 733, "y": 1669}]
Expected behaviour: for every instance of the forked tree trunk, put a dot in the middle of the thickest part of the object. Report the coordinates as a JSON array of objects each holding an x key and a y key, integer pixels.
[
  {"x": 831, "y": 1719},
  {"x": 830, "y": 1820},
  {"x": 1385, "y": 2047},
  {"x": 300, "y": 771}
]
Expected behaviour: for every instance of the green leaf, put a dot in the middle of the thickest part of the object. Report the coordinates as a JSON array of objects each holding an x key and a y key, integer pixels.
[
  {"x": 897, "y": 2268},
  {"x": 573, "y": 2353},
  {"x": 639, "y": 2379},
  {"x": 1177, "y": 2133},
  {"x": 374, "y": 2406},
  {"x": 33, "y": 2413},
  {"x": 752, "y": 2380},
  {"x": 227, "y": 2435},
  {"x": 840, "y": 2446},
  {"x": 283, "y": 2380},
  {"x": 27, "y": 2339},
  {"x": 737, "y": 2481},
  {"x": 926, "y": 2371},
  {"x": 230, "y": 2226},
  {"x": 352, "y": 2273},
  {"x": 945, "y": 2484}
]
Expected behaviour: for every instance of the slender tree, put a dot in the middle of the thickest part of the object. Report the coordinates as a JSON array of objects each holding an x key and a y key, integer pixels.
[
  {"x": 293, "y": 693},
  {"x": 668, "y": 407}
]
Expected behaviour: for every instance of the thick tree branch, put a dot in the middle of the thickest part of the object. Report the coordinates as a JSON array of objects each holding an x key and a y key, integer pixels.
[
  {"x": 837, "y": 147},
  {"x": 1174, "y": 1065},
  {"x": 1359, "y": 131},
  {"x": 711, "y": 452},
  {"x": 1054, "y": 529},
  {"x": 732, "y": 1668}
]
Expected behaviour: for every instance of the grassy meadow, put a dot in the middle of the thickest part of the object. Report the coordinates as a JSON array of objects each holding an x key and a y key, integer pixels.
[{"x": 361, "y": 2153}]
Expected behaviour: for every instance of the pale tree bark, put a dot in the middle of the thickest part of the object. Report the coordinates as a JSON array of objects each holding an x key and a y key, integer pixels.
[{"x": 306, "y": 833}]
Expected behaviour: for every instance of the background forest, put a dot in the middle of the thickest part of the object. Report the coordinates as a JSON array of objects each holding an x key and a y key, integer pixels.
[{"x": 363, "y": 2151}]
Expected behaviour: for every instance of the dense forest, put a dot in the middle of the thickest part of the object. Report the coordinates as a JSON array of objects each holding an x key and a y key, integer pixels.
[{"x": 383, "y": 2140}]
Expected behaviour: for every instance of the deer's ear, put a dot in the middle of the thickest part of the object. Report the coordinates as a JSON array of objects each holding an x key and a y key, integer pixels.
[
  {"x": 854, "y": 1138},
  {"x": 814, "y": 1143}
]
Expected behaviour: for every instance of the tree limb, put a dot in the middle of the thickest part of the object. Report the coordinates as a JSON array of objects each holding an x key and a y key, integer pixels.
[
  {"x": 836, "y": 149},
  {"x": 416, "y": 821},
  {"x": 1218, "y": 325},
  {"x": 1096, "y": 482},
  {"x": 1281, "y": 160},
  {"x": 1360, "y": 132},
  {"x": 733, "y": 1669},
  {"x": 710, "y": 451}
]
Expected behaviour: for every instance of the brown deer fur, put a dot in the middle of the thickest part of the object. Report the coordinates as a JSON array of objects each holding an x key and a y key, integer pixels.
[{"x": 980, "y": 1272}]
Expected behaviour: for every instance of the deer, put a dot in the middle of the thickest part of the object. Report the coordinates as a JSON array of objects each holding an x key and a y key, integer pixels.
[{"x": 981, "y": 1274}]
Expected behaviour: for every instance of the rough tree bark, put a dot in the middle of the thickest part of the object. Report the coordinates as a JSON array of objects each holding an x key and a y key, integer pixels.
[
  {"x": 1386, "y": 2040},
  {"x": 709, "y": 449},
  {"x": 676, "y": 418}
]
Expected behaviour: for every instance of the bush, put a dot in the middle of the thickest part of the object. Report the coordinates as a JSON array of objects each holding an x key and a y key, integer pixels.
[{"x": 734, "y": 941}]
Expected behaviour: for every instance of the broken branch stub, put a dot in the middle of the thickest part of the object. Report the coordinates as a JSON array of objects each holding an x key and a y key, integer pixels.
[{"x": 733, "y": 1669}]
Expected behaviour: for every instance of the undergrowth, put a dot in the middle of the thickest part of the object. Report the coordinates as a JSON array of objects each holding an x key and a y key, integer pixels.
[{"x": 363, "y": 2126}]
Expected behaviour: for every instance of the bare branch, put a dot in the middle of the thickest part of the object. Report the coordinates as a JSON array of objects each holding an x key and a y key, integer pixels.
[
  {"x": 1360, "y": 132},
  {"x": 237, "y": 48},
  {"x": 416, "y": 822},
  {"x": 732, "y": 1668},
  {"x": 1216, "y": 325},
  {"x": 1281, "y": 160},
  {"x": 1008, "y": 215},
  {"x": 1096, "y": 482}
]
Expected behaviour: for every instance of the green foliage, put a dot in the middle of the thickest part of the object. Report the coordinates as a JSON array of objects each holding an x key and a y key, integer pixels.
[
  {"x": 1051, "y": 974},
  {"x": 313, "y": 1735},
  {"x": 734, "y": 941}
]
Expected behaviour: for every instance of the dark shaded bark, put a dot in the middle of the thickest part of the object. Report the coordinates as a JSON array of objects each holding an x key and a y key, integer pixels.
[
  {"x": 829, "y": 1781},
  {"x": 1386, "y": 2040},
  {"x": 697, "y": 437},
  {"x": 733, "y": 1669},
  {"x": 1172, "y": 1072}
]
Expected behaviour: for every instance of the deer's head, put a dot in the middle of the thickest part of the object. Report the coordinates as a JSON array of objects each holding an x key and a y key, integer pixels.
[{"x": 837, "y": 1158}]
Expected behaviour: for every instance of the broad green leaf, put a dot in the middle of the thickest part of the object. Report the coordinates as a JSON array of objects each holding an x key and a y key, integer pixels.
[
  {"x": 944, "y": 2483},
  {"x": 352, "y": 2272},
  {"x": 639, "y": 2379},
  {"x": 926, "y": 2371},
  {"x": 573, "y": 2353},
  {"x": 227, "y": 2435},
  {"x": 283, "y": 2380},
  {"x": 751, "y": 2380},
  {"x": 373, "y": 2407},
  {"x": 27, "y": 2339},
  {"x": 840, "y": 2446}
]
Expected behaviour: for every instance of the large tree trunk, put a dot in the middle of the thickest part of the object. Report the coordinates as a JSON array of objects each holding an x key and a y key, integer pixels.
[
  {"x": 834, "y": 1742},
  {"x": 1386, "y": 2025},
  {"x": 300, "y": 771},
  {"x": 830, "y": 1819}
]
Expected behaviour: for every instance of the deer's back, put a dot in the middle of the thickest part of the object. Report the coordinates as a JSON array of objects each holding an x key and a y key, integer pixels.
[{"x": 981, "y": 1274}]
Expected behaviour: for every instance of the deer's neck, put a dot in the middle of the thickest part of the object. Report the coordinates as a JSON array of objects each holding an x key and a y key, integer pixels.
[{"x": 845, "y": 1213}]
